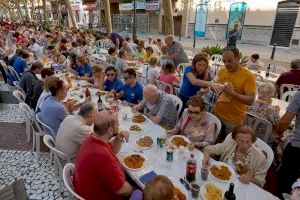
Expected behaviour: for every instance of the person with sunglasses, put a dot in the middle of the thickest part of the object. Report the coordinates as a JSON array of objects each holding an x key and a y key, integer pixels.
[
  {"x": 112, "y": 83},
  {"x": 196, "y": 125}
]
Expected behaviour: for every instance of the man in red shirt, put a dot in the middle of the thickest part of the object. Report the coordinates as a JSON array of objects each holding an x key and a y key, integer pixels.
[
  {"x": 98, "y": 173},
  {"x": 291, "y": 77}
]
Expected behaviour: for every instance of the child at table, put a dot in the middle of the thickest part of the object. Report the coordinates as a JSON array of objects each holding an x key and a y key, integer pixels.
[
  {"x": 168, "y": 75},
  {"x": 98, "y": 76},
  {"x": 151, "y": 71}
]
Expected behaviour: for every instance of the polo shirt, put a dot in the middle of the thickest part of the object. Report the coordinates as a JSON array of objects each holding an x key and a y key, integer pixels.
[
  {"x": 133, "y": 94},
  {"x": 87, "y": 69},
  {"x": 98, "y": 174},
  {"x": 19, "y": 65},
  {"x": 53, "y": 112},
  {"x": 117, "y": 84}
]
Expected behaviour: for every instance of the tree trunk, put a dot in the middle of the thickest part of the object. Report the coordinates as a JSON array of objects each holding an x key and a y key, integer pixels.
[
  {"x": 27, "y": 10},
  {"x": 19, "y": 11},
  {"x": 33, "y": 10},
  {"x": 185, "y": 18},
  {"x": 45, "y": 13},
  {"x": 71, "y": 13},
  {"x": 168, "y": 17},
  {"x": 107, "y": 16}
]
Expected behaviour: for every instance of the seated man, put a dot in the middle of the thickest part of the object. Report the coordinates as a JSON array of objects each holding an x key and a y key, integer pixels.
[
  {"x": 98, "y": 174},
  {"x": 132, "y": 92},
  {"x": 160, "y": 106},
  {"x": 291, "y": 77},
  {"x": 75, "y": 129}
]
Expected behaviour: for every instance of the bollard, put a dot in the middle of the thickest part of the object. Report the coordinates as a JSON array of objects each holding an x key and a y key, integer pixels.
[{"x": 273, "y": 51}]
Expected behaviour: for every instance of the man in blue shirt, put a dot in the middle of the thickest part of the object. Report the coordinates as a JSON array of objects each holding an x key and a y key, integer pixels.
[
  {"x": 132, "y": 92},
  {"x": 20, "y": 63},
  {"x": 112, "y": 83}
]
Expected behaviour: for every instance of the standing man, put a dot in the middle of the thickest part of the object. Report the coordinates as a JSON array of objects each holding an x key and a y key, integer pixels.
[
  {"x": 238, "y": 92},
  {"x": 233, "y": 36},
  {"x": 116, "y": 39}
]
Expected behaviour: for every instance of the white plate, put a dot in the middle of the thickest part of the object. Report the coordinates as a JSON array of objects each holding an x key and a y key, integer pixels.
[
  {"x": 139, "y": 125},
  {"x": 141, "y": 122},
  {"x": 181, "y": 136},
  {"x": 222, "y": 164},
  {"x": 144, "y": 147},
  {"x": 182, "y": 189},
  {"x": 203, "y": 190},
  {"x": 137, "y": 168}
]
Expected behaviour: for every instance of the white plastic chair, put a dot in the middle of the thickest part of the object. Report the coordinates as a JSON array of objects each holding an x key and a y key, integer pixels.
[
  {"x": 68, "y": 172},
  {"x": 13, "y": 72},
  {"x": 288, "y": 96},
  {"x": 58, "y": 164},
  {"x": 176, "y": 91},
  {"x": 288, "y": 87},
  {"x": 28, "y": 113},
  {"x": 19, "y": 96},
  {"x": 142, "y": 79},
  {"x": 17, "y": 85},
  {"x": 163, "y": 86},
  {"x": 178, "y": 103},
  {"x": 182, "y": 66},
  {"x": 259, "y": 77},
  {"x": 216, "y": 58},
  {"x": 46, "y": 128},
  {"x": 218, "y": 125}
]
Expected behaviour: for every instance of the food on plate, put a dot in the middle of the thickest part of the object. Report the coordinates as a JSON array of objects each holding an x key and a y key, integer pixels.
[
  {"x": 135, "y": 128},
  {"x": 212, "y": 192},
  {"x": 73, "y": 100},
  {"x": 179, "y": 141},
  {"x": 145, "y": 141},
  {"x": 221, "y": 172},
  {"x": 138, "y": 118},
  {"x": 134, "y": 161},
  {"x": 100, "y": 93},
  {"x": 88, "y": 86},
  {"x": 178, "y": 194},
  {"x": 167, "y": 127}
]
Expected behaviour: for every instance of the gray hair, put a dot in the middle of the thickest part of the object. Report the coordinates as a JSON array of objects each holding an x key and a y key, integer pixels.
[
  {"x": 152, "y": 89},
  {"x": 295, "y": 64},
  {"x": 266, "y": 90},
  {"x": 86, "y": 109}
]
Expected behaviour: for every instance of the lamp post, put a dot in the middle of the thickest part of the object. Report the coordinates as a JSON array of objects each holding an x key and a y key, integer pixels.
[{"x": 134, "y": 37}]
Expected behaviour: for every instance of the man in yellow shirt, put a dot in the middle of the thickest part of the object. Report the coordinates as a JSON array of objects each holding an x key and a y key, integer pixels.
[{"x": 239, "y": 92}]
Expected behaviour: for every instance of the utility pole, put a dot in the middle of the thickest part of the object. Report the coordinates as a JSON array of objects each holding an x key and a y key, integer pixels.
[{"x": 134, "y": 37}]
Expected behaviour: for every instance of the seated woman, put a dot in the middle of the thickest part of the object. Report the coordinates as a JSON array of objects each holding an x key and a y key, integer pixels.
[
  {"x": 149, "y": 54},
  {"x": 196, "y": 125},
  {"x": 196, "y": 77},
  {"x": 159, "y": 188},
  {"x": 254, "y": 63},
  {"x": 57, "y": 57},
  {"x": 98, "y": 76},
  {"x": 112, "y": 83},
  {"x": 240, "y": 152},
  {"x": 83, "y": 67},
  {"x": 262, "y": 107}
]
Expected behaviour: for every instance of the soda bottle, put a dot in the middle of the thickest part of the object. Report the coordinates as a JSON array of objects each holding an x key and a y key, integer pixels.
[
  {"x": 191, "y": 168},
  {"x": 268, "y": 71},
  {"x": 100, "y": 104},
  {"x": 87, "y": 93},
  {"x": 229, "y": 195}
]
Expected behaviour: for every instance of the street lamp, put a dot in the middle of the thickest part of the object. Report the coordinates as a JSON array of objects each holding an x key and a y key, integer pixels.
[{"x": 134, "y": 37}]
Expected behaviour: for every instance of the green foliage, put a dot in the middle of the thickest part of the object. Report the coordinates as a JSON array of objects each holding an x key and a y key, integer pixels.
[{"x": 211, "y": 50}]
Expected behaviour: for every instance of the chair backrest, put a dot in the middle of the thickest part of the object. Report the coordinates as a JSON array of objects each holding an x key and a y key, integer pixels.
[
  {"x": 217, "y": 58},
  {"x": 13, "y": 72},
  {"x": 176, "y": 91},
  {"x": 288, "y": 96},
  {"x": 218, "y": 124},
  {"x": 278, "y": 69},
  {"x": 142, "y": 79},
  {"x": 259, "y": 77},
  {"x": 263, "y": 128},
  {"x": 288, "y": 87},
  {"x": 163, "y": 86},
  {"x": 182, "y": 66},
  {"x": 68, "y": 172},
  {"x": 19, "y": 95},
  {"x": 178, "y": 103},
  {"x": 46, "y": 128},
  {"x": 266, "y": 149},
  {"x": 17, "y": 85},
  {"x": 50, "y": 143}
]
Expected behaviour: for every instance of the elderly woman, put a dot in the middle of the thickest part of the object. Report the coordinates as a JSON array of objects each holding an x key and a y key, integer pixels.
[
  {"x": 262, "y": 107},
  {"x": 196, "y": 125},
  {"x": 240, "y": 152}
]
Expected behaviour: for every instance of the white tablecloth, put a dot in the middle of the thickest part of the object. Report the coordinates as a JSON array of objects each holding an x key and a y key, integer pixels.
[{"x": 272, "y": 77}]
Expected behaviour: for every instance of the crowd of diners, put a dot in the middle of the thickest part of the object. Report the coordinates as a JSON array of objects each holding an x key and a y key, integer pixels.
[{"x": 92, "y": 139}]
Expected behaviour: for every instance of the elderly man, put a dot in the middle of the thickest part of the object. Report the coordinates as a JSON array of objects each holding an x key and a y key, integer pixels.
[
  {"x": 98, "y": 173},
  {"x": 291, "y": 77},
  {"x": 74, "y": 129},
  {"x": 160, "y": 106},
  {"x": 238, "y": 92},
  {"x": 175, "y": 51}
]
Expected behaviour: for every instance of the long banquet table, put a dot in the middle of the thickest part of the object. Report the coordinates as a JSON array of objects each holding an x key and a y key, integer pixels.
[{"x": 156, "y": 156}]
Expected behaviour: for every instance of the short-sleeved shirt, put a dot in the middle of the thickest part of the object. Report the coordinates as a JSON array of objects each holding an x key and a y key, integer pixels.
[
  {"x": 19, "y": 65},
  {"x": 291, "y": 77},
  {"x": 98, "y": 174},
  {"x": 84, "y": 70},
  {"x": 115, "y": 36},
  {"x": 294, "y": 107},
  {"x": 164, "y": 108},
  {"x": 53, "y": 112},
  {"x": 187, "y": 89},
  {"x": 117, "y": 84},
  {"x": 140, "y": 54},
  {"x": 177, "y": 48},
  {"x": 133, "y": 94},
  {"x": 120, "y": 66},
  {"x": 243, "y": 82}
]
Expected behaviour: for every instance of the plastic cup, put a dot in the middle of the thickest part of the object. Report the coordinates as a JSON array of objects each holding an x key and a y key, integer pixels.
[
  {"x": 195, "y": 188},
  {"x": 204, "y": 173}
]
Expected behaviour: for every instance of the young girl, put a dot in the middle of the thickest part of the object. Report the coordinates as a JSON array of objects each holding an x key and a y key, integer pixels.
[
  {"x": 168, "y": 75},
  {"x": 98, "y": 76}
]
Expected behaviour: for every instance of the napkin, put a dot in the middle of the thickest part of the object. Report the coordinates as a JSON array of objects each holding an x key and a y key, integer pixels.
[{"x": 147, "y": 177}]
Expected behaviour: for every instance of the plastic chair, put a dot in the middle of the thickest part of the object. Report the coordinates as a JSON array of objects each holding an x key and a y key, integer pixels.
[
  {"x": 178, "y": 103},
  {"x": 19, "y": 95},
  {"x": 68, "y": 172},
  {"x": 46, "y": 128},
  {"x": 13, "y": 72},
  {"x": 17, "y": 85},
  {"x": 288, "y": 96},
  {"x": 163, "y": 86},
  {"x": 176, "y": 91},
  {"x": 259, "y": 77},
  {"x": 218, "y": 124},
  {"x": 182, "y": 66},
  {"x": 28, "y": 113},
  {"x": 288, "y": 87},
  {"x": 142, "y": 79},
  {"x": 216, "y": 58},
  {"x": 58, "y": 155}
]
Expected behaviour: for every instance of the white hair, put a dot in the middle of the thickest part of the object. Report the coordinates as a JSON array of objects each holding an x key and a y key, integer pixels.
[
  {"x": 151, "y": 89},
  {"x": 266, "y": 90}
]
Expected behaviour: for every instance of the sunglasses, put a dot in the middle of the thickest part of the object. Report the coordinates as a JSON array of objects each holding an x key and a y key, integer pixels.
[
  {"x": 110, "y": 74},
  {"x": 193, "y": 113}
]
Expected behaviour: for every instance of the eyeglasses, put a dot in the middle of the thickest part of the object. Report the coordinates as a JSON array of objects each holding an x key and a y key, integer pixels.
[
  {"x": 110, "y": 74},
  {"x": 193, "y": 113}
]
